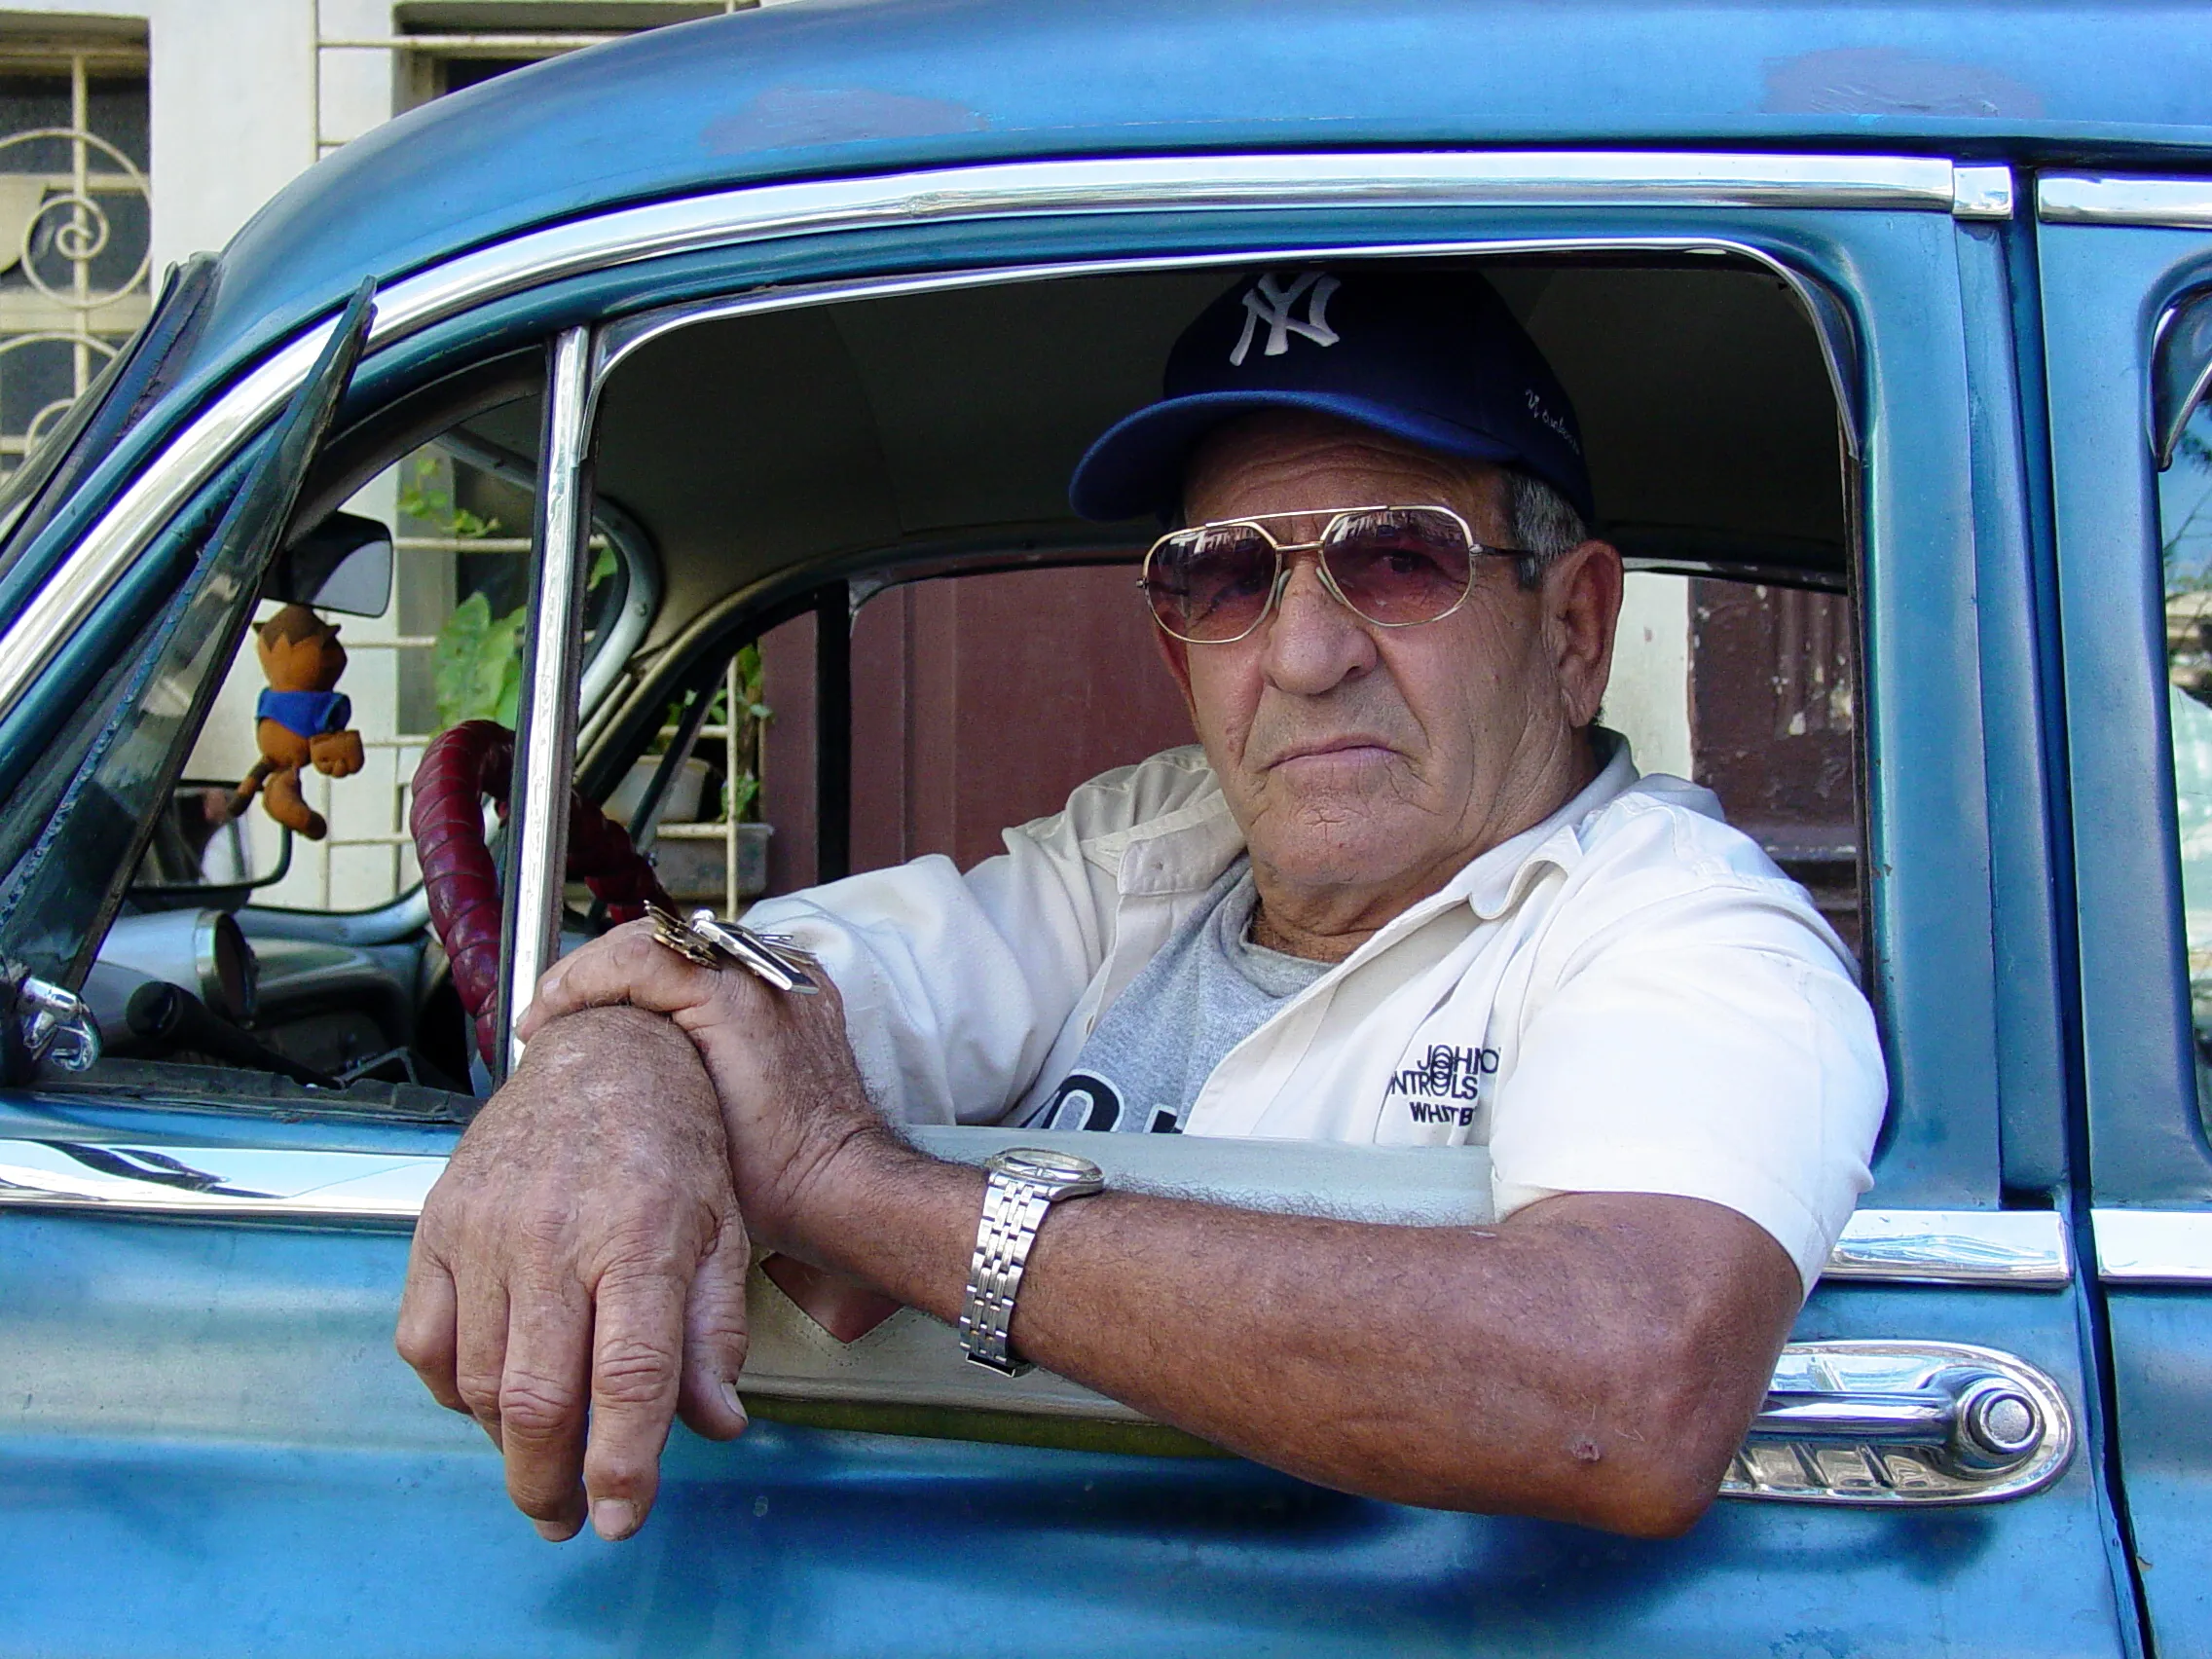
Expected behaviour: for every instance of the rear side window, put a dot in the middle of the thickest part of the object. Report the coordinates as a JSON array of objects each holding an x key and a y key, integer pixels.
[{"x": 2185, "y": 536}]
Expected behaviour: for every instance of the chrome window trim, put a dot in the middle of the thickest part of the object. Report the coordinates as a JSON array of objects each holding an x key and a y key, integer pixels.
[
  {"x": 1133, "y": 184},
  {"x": 2180, "y": 371},
  {"x": 216, "y": 1183},
  {"x": 1999, "y": 1249},
  {"x": 2122, "y": 199},
  {"x": 546, "y": 736},
  {"x": 2026, "y": 1250},
  {"x": 2153, "y": 1246},
  {"x": 1981, "y": 191}
]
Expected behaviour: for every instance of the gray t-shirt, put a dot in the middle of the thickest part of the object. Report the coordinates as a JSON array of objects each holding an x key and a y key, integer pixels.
[{"x": 1206, "y": 991}]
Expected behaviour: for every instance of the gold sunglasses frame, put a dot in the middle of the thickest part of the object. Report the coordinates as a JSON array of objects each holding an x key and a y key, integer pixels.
[{"x": 1318, "y": 548}]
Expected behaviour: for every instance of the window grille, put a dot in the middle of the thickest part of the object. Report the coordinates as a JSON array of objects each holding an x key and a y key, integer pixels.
[
  {"x": 419, "y": 64},
  {"x": 75, "y": 226}
]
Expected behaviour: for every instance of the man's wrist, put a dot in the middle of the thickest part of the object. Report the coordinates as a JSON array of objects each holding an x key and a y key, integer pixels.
[
  {"x": 886, "y": 1212},
  {"x": 620, "y": 1041},
  {"x": 832, "y": 1181}
]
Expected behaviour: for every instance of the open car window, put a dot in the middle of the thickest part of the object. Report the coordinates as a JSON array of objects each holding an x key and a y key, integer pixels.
[
  {"x": 879, "y": 633},
  {"x": 995, "y": 652},
  {"x": 888, "y": 637}
]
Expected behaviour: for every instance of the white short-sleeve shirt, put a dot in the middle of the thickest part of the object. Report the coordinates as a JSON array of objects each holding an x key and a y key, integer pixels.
[{"x": 1627, "y": 997}]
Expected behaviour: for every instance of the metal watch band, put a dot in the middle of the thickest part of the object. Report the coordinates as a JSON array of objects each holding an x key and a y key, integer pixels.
[{"x": 1023, "y": 1183}]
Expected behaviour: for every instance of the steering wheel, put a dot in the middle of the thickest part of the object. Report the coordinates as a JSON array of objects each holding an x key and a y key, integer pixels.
[{"x": 459, "y": 769}]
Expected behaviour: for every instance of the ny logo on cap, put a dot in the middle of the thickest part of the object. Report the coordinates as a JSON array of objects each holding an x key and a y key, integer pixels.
[{"x": 1265, "y": 302}]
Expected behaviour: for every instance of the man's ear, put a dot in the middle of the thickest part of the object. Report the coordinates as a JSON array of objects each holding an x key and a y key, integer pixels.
[
  {"x": 1582, "y": 608},
  {"x": 1177, "y": 654}
]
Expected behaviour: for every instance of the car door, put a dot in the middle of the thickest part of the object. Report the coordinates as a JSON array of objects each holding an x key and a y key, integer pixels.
[
  {"x": 225, "y": 1455},
  {"x": 2125, "y": 266}
]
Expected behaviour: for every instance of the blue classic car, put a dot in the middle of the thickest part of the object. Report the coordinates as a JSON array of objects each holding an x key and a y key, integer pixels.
[{"x": 723, "y": 370}]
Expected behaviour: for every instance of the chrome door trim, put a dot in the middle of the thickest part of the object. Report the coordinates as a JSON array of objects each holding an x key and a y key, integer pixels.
[
  {"x": 2153, "y": 1246},
  {"x": 2025, "y": 1249},
  {"x": 1118, "y": 184},
  {"x": 1998, "y": 1249},
  {"x": 546, "y": 738},
  {"x": 216, "y": 1183},
  {"x": 2122, "y": 199}
]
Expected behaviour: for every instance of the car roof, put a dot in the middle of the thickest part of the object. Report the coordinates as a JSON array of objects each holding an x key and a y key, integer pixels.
[{"x": 840, "y": 87}]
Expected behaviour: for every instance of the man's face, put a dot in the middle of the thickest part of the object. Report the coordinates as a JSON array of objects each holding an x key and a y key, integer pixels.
[{"x": 1368, "y": 764}]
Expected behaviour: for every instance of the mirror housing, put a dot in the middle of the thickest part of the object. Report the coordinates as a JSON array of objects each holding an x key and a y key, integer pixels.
[{"x": 344, "y": 563}]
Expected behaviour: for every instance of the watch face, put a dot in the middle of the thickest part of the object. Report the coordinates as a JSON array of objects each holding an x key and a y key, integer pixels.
[{"x": 1034, "y": 1164}]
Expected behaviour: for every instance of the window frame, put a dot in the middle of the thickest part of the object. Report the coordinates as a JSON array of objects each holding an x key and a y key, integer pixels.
[
  {"x": 1877, "y": 235},
  {"x": 2111, "y": 298},
  {"x": 1949, "y": 1136}
]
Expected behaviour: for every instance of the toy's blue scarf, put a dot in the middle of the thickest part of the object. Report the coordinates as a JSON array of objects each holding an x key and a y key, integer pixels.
[{"x": 305, "y": 714}]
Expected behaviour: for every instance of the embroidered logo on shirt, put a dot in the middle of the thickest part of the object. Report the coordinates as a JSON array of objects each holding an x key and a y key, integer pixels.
[{"x": 1445, "y": 1085}]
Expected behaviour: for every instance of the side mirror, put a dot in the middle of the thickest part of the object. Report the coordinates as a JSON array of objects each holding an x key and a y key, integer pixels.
[
  {"x": 342, "y": 563},
  {"x": 200, "y": 853}
]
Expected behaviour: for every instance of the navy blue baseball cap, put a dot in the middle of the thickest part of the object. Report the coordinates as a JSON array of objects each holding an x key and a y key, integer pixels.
[{"x": 1427, "y": 355}]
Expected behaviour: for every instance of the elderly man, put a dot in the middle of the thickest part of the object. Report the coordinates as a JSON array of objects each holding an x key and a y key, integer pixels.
[{"x": 1406, "y": 890}]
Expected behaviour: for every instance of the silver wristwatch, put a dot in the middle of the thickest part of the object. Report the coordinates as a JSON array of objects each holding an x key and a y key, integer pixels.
[{"x": 1024, "y": 1183}]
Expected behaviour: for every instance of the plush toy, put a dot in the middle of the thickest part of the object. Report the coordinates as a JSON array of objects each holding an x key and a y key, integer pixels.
[{"x": 301, "y": 720}]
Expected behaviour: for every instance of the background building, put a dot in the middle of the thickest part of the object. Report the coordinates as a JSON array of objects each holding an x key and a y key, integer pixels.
[{"x": 135, "y": 132}]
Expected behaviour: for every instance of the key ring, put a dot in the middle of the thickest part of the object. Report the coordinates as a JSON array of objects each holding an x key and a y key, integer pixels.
[{"x": 704, "y": 938}]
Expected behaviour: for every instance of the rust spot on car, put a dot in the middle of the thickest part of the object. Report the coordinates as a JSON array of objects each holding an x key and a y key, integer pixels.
[
  {"x": 785, "y": 118},
  {"x": 1881, "y": 80}
]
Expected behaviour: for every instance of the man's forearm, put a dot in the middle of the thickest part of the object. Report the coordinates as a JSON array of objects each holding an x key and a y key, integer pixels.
[{"x": 1588, "y": 1361}]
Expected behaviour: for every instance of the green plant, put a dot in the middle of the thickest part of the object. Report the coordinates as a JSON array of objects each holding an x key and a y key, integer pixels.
[
  {"x": 476, "y": 664},
  {"x": 742, "y": 797},
  {"x": 753, "y": 715},
  {"x": 421, "y": 497},
  {"x": 476, "y": 658}
]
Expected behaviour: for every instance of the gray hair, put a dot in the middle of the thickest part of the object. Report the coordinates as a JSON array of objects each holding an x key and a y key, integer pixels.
[{"x": 1542, "y": 522}]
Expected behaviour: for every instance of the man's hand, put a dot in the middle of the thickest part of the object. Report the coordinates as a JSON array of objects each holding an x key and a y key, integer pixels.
[
  {"x": 584, "y": 1247},
  {"x": 791, "y": 1095}
]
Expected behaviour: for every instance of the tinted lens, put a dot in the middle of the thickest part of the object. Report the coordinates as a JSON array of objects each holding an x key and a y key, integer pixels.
[
  {"x": 1211, "y": 583},
  {"x": 1399, "y": 565}
]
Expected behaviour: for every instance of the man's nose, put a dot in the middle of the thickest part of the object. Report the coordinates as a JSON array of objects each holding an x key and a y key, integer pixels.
[{"x": 1314, "y": 641}]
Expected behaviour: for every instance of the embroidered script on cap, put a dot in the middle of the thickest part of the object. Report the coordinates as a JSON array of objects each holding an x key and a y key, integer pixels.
[
  {"x": 1566, "y": 432},
  {"x": 1265, "y": 302}
]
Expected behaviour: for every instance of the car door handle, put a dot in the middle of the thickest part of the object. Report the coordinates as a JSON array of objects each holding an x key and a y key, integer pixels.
[
  {"x": 1976, "y": 1418},
  {"x": 1895, "y": 1422}
]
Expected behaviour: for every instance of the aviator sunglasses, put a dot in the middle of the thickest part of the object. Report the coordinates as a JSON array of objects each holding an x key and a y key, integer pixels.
[{"x": 1395, "y": 566}]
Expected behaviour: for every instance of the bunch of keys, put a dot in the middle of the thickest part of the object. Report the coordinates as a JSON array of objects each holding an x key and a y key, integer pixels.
[{"x": 711, "y": 942}]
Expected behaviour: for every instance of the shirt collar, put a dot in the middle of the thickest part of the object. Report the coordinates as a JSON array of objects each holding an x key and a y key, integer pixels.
[{"x": 1492, "y": 884}]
